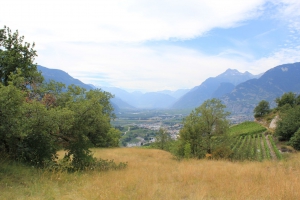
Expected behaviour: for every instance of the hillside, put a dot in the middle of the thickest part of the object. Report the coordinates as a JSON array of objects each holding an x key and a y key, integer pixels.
[
  {"x": 155, "y": 174},
  {"x": 61, "y": 76}
]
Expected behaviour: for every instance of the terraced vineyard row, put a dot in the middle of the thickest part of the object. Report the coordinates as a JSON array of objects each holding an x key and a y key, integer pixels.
[{"x": 255, "y": 147}]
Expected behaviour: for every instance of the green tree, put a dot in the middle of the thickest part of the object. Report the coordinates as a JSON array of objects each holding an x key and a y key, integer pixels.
[
  {"x": 92, "y": 113},
  {"x": 205, "y": 129},
  {"x": 162, "y": 139},
  {"x": 288, "y": 124},
  {"x": 17, "y": 54},
  {"x": 295, "y": 140},
  {"x": 262, "y": 109},
  {"x": 287, "y": 98}
]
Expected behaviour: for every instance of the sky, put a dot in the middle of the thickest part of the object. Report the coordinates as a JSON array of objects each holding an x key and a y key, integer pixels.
[{"x": 153, "y": 45}]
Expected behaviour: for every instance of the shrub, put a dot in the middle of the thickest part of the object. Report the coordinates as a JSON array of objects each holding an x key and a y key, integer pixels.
[
  {"x": 295, "y": 140},
  {"x": 222, "y": 152}
]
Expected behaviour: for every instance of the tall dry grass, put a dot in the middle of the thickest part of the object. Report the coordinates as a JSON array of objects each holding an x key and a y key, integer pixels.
[{"x": 154, "y": 174}]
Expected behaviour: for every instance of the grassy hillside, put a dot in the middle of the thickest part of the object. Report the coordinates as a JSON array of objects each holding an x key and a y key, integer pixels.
[
  {"x": 154, "y": 174},
  {"x": 246, "y": 128}
]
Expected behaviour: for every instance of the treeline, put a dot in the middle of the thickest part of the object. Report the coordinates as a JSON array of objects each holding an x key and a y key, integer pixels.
[{"x": 38, "y": 119}]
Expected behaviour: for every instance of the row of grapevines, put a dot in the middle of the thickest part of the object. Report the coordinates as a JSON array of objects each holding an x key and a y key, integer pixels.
[
  {"x": 267, "y": 150},
  {"x": 260, "y": 156},
  {"x": 278, "y": 154},
  {"x": 253, "y": 147}
]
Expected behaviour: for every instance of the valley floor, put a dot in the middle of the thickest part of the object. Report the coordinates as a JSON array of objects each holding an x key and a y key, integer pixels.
[{"x": 154, "y": 174}]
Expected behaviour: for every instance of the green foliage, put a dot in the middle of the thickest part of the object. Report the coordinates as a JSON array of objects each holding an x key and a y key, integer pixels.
[
  {"x": 17, "y": 54},
  {"x": 261, "y": 150},
  {"x": 253, "y": 147},
  {"x": 278, "y": 154},
  {"x": 262, "y": 109},
  {"x": 38, "y": 119},
  {"x": 287, "y": 99},
  {"x": 246, "y": 128},
  {"x": 187, "y": 150},
  {"x": 289, "y": 123},
  {"x": 295, "y": 140},
  {"x": 176, "y": 147},
  {"x": 222, "y": 152},
  {"x": 267, "y": 150},
  {"x": 11, "y": 116},
  {"x": 38, "y": 147},
  {"x": 162, "y": 139},
  {"x": 205, "y": 129}
]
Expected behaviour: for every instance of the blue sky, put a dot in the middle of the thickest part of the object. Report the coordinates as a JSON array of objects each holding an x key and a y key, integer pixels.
[{"x": 157, "y": 45}]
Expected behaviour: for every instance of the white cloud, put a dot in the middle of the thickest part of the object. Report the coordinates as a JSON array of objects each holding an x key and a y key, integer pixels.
[
  {"x": 103, "y": 41},
  {"x": 123, "y": 21}
]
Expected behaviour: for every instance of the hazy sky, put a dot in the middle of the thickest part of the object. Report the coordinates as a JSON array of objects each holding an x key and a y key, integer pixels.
[{"x": 157, "y": 44}]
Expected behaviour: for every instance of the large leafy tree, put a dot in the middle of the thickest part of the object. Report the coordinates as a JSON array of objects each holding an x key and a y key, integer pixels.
[
  {"x": 262, "y": 108},
  {"x": 38, "y": 119},
  {"x": 205, "y": 128},
  {"x": 17, "y": 54}
]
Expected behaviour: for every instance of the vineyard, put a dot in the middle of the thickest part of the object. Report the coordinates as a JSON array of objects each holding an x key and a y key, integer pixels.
[{"x": 249, "y": 142}]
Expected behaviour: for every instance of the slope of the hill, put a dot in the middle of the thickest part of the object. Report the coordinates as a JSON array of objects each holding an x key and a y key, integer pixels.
[
  {"x": 155, "y": 174},
  {"x": 61, "y": 76}
]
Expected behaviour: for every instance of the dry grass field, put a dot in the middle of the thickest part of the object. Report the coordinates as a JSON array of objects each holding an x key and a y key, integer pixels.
[{"x": 154, "y": 174}]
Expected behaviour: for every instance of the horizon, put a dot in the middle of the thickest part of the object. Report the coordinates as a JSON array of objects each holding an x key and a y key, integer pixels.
[{"x": 154, "y": 46}]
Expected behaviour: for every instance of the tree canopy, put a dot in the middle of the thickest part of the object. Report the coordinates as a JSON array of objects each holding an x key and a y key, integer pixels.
[
  {"x": 17, "y": 54},
  {"x": 205, "y": 129},
  {"x": 262, "y": 108}
]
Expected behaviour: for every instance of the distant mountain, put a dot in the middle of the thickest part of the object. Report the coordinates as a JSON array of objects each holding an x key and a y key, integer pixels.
[
  {"x": 272, "y": 84},
  {"x": 212, "y": 87},
  {"x": 61, "y": 76},
  {"x": 120, "y": 104},
  {"x": 223, "y": 88},
  {"x": 150, "y": 100},
  {"x": 64, "y": 77},
  {"x": 176, "y": 94},
  {"x": 153, "y": 100}
]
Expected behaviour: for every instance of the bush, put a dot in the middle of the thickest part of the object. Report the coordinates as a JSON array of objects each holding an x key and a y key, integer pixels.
[
  {"x": 222, "y": 152},
  {"x": 295, "y": 140},
  {"x": 93, "y": 164}
]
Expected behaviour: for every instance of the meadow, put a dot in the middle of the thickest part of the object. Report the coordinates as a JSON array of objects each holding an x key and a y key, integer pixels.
[{"x": 155, "y": 174}]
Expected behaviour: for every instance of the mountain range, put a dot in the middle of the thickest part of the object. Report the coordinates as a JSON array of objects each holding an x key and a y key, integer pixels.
[
  {"x": 272, "y": 84},
  {"x": 240, "y": 92},
  {"x": 214, "y": 87},
  {"x": 122, "y": 99}
]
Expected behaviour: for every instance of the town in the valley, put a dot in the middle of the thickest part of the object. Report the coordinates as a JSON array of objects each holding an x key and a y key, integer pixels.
[{"x": 139, "y": 128}]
